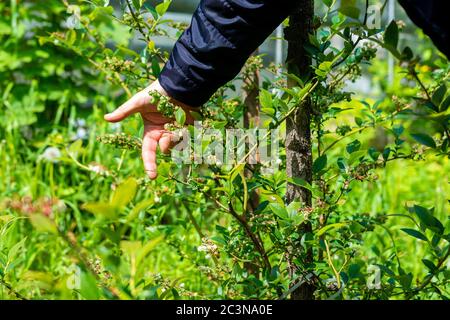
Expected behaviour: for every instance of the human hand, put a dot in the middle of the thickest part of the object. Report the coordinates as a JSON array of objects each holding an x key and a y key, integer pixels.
[{"x": 154, "y": 121}]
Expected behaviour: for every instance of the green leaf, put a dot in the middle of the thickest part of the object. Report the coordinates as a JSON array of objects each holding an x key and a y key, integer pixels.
[
  {"x": 328, "y": 3},
  {"x": 405, "y": 280},
  {"x": 147, "y": 248},
  {"x": 141, "y": 206},
  {"x": 279, "y": 210},
  {"x": 219, "y": 240},
  {"x": 435, "y": 240},
  {"x": 445, "y": 104},
  {"x": 103, "y": 209},
  {"x": 293, "y": 212},
  {"x": 386, "y": 153},
  {"x": 5, "y": 28},
  {"x": 75, "y": 148},
  {"x": 269, "y": 111},
  {"x": 439, "y": 94},
  {"x": 424, "y": 139},
  {"x": 296, "y": 79},
  {"x": 156, "y": 69},
  {"x": 180, "y": 116},
  {"x": 271, "y": 196},
  {"x": 43, "y": 223},
  {"x": 429, "y": 264},
  {"x": 152, "y": 11},
  {"x": 162, "y": 8},
  {"x": 391, "y": 35},
  {"x": 303, "y": 91},
  {"x": 301, "y": 182},
  {"x": 132, "y": 53},
  {"x": 373, "y": 153},
  {"x": 164, "y": 168},
  {"x": 130, "y": 248},
  {"x": 407, "y": 54},
  {"x": 324, "y": 68},
  {"x": 329, "y": 227},
  {"x": 349, "y": 8},
  {"x": 71, "y": 37},
  {"x": 89, "y": 288},
  {"x": 265, "y": 98},
  {"x": 236, "y": 171},
  {"x": 136, "y": 4},
  {"x": 320, "y": 163},
  {"x": 7, "y": 218},
  {"x": 415, "y": 234},
  {"x": 428, "y": 219},
  {"x": 16, "y": 249},
  {"x": 356, "y": 156},
  {"x": 124, "y": 193},
  {"x": 337, "y": 20},
  {"x": 398, "y": 130},
  {"x": 353, "y": 146},
  {"x": 354, "y": 271},
  {"x": 342, "y": 164}
]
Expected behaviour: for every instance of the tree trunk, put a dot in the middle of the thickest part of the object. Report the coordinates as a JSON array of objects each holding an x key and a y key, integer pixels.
[
  {"x": 251, "y": 121},
  {"x": 298, "y": 139}
]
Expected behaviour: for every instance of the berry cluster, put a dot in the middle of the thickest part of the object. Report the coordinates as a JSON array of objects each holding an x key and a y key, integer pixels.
[
  {"x": 118, "y": 65},
  {"x": 121, "y": 140},
  {"x": 163, "y": 104}
]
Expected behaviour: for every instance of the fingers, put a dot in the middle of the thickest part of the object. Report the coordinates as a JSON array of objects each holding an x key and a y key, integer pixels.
[
  {"x": 149, "y": 145},
  {"x": 165, "y": 142},
  {"x": 128, "y": 108}
]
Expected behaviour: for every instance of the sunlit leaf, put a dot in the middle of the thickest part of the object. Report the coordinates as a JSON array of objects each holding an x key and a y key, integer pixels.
[
  {"x": 124, "y": 193},
  {"x": 147, "y": 248},
  {"x": 180, "y": 116},
  {"x": 43, "y": 223},
  {"x": 162, "y": 7},
  {"x": 265, "y": 98},
  {"x": 141, "y": 206},
  {"x": 279, "y": 210},
  {"x": 102, "y": 209}
]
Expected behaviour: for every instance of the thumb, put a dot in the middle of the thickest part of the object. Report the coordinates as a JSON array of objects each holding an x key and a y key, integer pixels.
[{"x": 128, "y": 108}]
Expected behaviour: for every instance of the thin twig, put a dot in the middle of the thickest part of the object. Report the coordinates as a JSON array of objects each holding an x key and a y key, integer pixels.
[
  {"x": 372, "y": 125},
  {"x": 11, "y": 290},
  {"x": 254, "y": 237},
  {"x": 141, "y": 30},
  {"x": 330, "y": 262},
  {"x": 357, "y": 40},
  {"x": 102, "y": 45},
  {"x": 84, "y": 260},
  {"x": 429, "y": 277}
]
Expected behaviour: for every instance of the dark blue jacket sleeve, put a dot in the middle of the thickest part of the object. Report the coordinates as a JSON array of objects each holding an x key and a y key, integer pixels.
[
  {"x": 432, "y": 17},
  {"x": 211, "y": 52}
]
